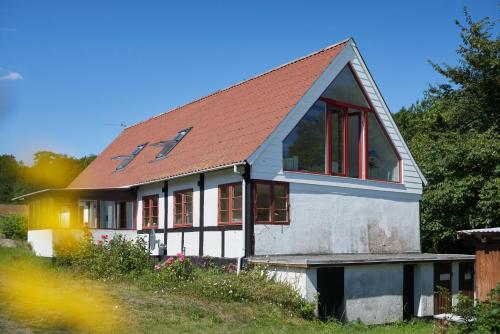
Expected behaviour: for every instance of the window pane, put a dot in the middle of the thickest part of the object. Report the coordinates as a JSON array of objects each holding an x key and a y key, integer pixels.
[
  {"x": 263, "y": 196},
  {"x": 154, "y": 221},
  {"x": 224, "y": 216},
  {"x": 353, "y": 143},
  {"x": 383, "y": 162},
  {"x": 237, "y": 203},
  {"x": 280, "y": 216},
  {"x": 178, "y": 219},
  {"x": 155, "y": 201},
  {"x": 279, "y": 203},
  {"x": 263, "y": 215},
  {"x": 345, "y": 88},
  {"x": 187, "y": 219},
  {"x": 279, "y": 190},
  {"x": 178, "y": 208},
  {"x": 155, "y": 212},
  {"x": 107, "y": 210},
  {"x": 337, "y": 141},
  {"x": 224, "y": 203},
  {"x": 237, "y": 190},
  {"x": 178, "y": 198},
  {"x": 236, "y": 216},
  {"x": 304, "y": 147},
  {"x": 224, "y": 192},
  {"x": 130, "y": 215}
]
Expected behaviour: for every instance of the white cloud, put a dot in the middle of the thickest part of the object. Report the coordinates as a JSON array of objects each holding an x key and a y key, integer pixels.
[{"x": 6, "y": 75}]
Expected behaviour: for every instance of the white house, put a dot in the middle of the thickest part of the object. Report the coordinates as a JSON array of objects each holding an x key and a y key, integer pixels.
[{"x": 301, "y": 167}]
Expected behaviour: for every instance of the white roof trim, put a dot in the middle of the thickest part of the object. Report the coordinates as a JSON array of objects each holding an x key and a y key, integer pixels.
[{"x": 389, "y": 114}]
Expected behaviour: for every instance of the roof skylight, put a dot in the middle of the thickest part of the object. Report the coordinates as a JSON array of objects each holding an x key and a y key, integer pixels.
[
  {"x": 126, "y": 159},
  {"x": 168, "y": 145}
]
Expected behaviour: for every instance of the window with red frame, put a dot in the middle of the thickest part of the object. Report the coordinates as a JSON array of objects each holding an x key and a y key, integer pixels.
[
  {"x": 150, "y": 211},
  {"x": 230, "y": 204},
  {"x": 341, "y": 135},
  {"x": 271, "y": 203},
  {"x": 183, "y": 208}
]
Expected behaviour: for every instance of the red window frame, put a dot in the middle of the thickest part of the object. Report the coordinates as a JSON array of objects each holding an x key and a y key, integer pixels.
[
  {"x": 362, "y": 137},
  {"x": 183, "y": 212},
  {"x": 272, "y": 208},
  {"x": 230, "y": 200},
  {"x": 149, "y": 202}
]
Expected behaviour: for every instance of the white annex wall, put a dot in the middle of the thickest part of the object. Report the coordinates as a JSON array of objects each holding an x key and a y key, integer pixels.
[
  {"x": 373, "y": 293},
  {"x": 335, "y": 220},
  {"x": 41, "y": 242}
]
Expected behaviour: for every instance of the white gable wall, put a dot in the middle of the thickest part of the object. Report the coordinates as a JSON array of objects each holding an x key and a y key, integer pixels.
[{"x": 332, "y": 214}]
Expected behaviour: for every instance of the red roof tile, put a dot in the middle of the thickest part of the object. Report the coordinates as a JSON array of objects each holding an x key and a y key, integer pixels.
[{"x": 227, "y": 127}]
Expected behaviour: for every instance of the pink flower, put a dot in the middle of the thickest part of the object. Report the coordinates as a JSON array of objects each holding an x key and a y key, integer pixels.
[
  {"x": 170, "y": 260},
  {"x": 104, "y": 236},
  {"x": 181, "y": 257},
  {"x": 110, "y": 241}
]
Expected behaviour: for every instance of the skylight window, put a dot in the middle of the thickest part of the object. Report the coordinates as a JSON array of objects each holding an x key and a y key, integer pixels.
[
  {"x": 126, "y": 159},
  {"x": 168, "y": 145}
]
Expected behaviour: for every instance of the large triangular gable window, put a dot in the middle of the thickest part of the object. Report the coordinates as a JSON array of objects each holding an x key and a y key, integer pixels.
[{"x": 341, "y": 135}]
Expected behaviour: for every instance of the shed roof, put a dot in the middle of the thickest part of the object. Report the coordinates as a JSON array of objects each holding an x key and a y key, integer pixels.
[{"x": 226, "y": 127}]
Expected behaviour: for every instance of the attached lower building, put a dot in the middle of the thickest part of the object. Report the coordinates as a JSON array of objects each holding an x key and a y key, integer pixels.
[{"x": 302, "y": 168}]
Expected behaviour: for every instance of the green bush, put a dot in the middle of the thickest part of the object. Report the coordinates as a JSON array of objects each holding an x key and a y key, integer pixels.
[
  {"x": 253, "y": 285},
  {"x": 14, "y": 227},
  {"x": 481, "y": 318},
  {"x": 105, "y": 259}
]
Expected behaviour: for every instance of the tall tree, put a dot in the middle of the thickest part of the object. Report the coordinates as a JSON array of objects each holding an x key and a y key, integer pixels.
[{"x": 454, "y": 135}]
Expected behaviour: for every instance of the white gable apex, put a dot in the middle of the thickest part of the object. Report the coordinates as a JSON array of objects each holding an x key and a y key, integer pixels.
[{"x": 267, "y": 163}]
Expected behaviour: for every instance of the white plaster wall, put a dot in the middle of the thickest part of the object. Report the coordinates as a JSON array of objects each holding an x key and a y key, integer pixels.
[
  {"x": 128, "y": 234},
  {"x": 339, "y": 220},
  {"x": 234, "y": 244},
  {"x": 373, "y": 293},
  {"x": 148, "y": 190},
  {"x": 304, "y": 281},
  {"x": 192, "y": 243},
  {"x": 212, "y": 244},
  {"x": 41, "y": 242},
  {"x": 424, "y": 289},
  {"x": 174, "y": 243}
]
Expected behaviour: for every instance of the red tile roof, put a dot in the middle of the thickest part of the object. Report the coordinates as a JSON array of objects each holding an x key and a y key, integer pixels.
[{"x": 227, "y": 127}]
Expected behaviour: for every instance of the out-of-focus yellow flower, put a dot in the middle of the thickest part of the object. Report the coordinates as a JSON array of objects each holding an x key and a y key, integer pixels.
[{"x": 57, "y": 299}]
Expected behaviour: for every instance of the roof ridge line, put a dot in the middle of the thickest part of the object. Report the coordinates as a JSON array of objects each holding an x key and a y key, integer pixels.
[{"x": 241, "y": 82}]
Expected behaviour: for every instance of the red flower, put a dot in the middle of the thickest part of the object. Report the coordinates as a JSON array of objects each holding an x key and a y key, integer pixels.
[
  {"x": 104, "y": 236},
  {"x": 110, "y": 241}
]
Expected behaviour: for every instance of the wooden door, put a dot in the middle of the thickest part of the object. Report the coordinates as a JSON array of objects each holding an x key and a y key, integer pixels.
[
  {"x": 442, "y": 287},
  {"x": 466, "y": 279}
]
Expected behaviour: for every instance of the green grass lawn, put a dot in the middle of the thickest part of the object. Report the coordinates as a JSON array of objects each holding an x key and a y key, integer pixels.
[{"x": 143, "y": 311}]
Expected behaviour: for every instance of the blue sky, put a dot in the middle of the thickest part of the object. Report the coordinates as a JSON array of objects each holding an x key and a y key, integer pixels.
[{"x": 72, "y": 71}]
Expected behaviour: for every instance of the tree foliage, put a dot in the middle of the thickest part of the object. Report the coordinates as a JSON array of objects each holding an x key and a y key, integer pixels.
[
  {"x": 49, "y": 170},
  {"x": 453, "y": 134}
]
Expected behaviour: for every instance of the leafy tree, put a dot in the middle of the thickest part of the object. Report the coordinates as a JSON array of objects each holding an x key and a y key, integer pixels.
[
  {"x": 454, "y": 136},
  {"x": 50, "y": 170}
]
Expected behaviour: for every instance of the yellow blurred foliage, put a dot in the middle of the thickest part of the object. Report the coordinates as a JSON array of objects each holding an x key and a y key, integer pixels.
[{"x": 57, "y": 299}]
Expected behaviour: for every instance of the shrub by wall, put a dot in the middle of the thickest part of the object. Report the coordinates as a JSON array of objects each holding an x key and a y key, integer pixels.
[{"x": 14, "y": 227}]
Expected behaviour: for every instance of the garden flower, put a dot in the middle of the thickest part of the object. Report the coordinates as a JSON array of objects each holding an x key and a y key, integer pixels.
[
  {"x": 104, "y": 236},
  {"x": 170, "y": 260}
]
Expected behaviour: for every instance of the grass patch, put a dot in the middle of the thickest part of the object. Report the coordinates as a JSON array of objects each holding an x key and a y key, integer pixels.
[{"x": 178, "y": 311}]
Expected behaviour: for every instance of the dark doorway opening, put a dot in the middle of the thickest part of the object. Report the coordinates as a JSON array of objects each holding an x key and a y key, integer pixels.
[
  {"x": 408, "y": 292},
  {"x": 466, "y": 278},
  {"x": 442, "y": 287},
  {"x": 331, "y": 303}
]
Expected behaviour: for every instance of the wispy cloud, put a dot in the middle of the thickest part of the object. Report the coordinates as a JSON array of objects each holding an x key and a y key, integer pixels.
[{"x": 7, "y": 75}]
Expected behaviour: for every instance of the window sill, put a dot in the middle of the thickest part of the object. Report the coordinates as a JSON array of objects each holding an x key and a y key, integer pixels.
[
  {"x": 272, "y": 223},
  {"x": 183, "y": 226},
  {"x": 229, "y": 224}
]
